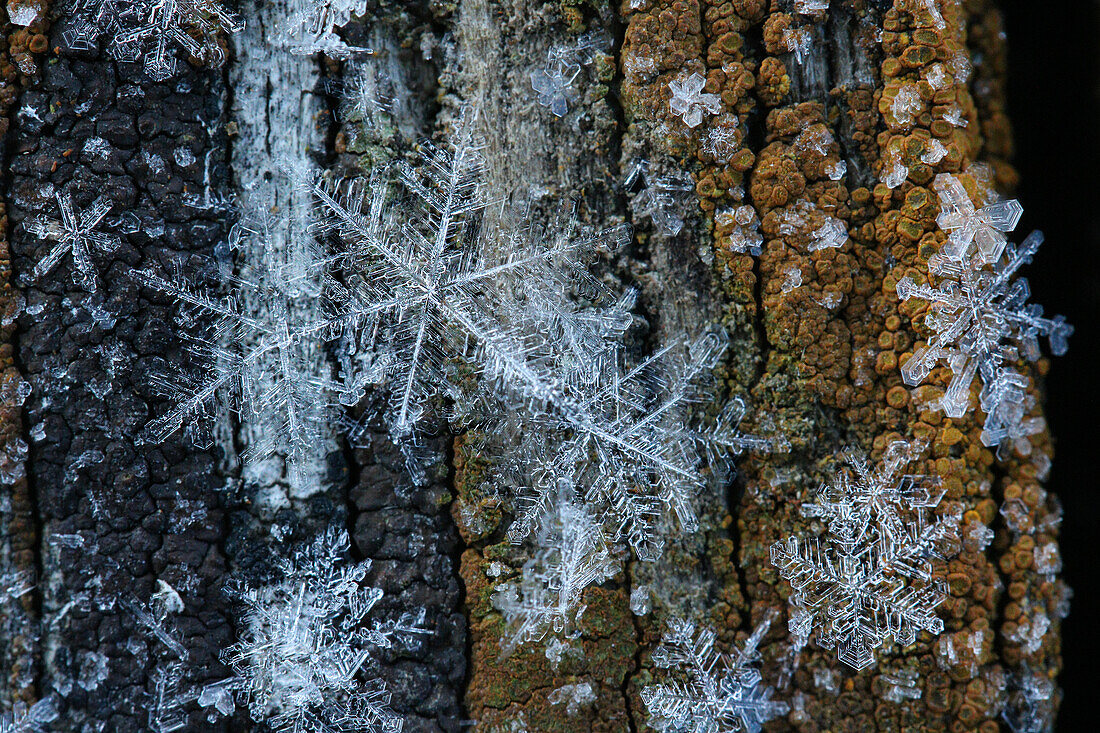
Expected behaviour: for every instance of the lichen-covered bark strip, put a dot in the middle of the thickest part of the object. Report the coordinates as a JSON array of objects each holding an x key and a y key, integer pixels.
[
  {"x": 532, "y": 155},
  {"x": 838, "y": 366},
  {"x": 143, "y": 512},
  {"x": 25, "y": 40}
]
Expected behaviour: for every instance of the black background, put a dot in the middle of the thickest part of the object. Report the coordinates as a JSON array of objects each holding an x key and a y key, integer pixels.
[{"x": 1053, "y": 85}]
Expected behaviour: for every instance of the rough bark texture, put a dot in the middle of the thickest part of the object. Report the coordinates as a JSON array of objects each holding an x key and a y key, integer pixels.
[{"x": 819, "y": 360}]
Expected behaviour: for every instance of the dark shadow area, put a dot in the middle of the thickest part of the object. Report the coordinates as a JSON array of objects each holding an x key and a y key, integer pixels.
[{"x": 1053, "y": 103}]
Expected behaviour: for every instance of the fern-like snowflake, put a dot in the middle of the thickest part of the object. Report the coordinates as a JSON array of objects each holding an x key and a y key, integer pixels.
[{"x": 721, "y": 693}]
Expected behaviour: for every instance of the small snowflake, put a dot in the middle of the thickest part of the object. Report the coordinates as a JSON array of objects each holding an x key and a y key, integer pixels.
[
  {"x": 690, "y": 102},
  {"x": 74, "y": 234}
]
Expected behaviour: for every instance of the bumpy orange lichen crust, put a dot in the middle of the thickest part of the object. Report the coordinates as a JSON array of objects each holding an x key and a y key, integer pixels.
[
  {"x": 834, "y": 345},
  {"x": 18, "y": 535}
]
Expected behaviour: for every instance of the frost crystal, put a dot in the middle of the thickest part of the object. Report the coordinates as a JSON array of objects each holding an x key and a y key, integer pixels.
[
  {"x": 954, "y": 116},
  {"x": 31, "y": 719},
  {"x": 573, "y": 696},
  {"x": 981, "y": 324},
  {"x": 690, "y": 102},
  {"x": 659, "y": 197},
  {"x": 554, "y": 82},
  {"x": 259, "y": 367},
  {"x": 901, "y": 686},
  {"x": 722, "y": 141},
  {"x": 934, "y": 153},
  {"x": 75, "y": 234},
  {"x": 574, "y": 555},
  {"x": 810, "y": 7},
  {"x": 312, "y": 28},
  {"x": 871, "y": 577},
  {"x": 836, "y": 171},
  {"x": 721, "y": 692},
  {"x": 133, "y": 26},
  {"x": 423, "y": 282},
  {"x": 907, "y": 104},
  {"x": 305, "y": 643},
  {"x": 744, "y": 236},
  {"x": 833, "y": 233},
  {"x": 554, "y": 85},
  {"x": 894, "y": 172},
  {"x": 976, "y": 232},
  {"x": 797, "y": 41}
]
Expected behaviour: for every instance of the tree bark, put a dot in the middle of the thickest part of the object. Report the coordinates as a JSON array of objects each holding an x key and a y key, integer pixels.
[{"x": 817, "y": 361}]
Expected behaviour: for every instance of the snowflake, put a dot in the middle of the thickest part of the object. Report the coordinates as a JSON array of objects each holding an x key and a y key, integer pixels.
[
  {"x": 554, "y": 85},
  {"x": 304, "y": 644},
  {"x": 981, "y": 322},
  {"x": 690, "y": 102},
  {"x": 973, "y": 232},
  {"x": 659, "y": 197},
  {"x": 131, "y": 25},
  {"x": 722, "y": 693},
  {"x": 423, "y": 284},
  {"x": 871, "y": 576},
  {"x": 312, "y": 28},
  {"x": 554, "y": 82},
  {"x": 266, "y": 368},
  {"x": 74, "y": 234},
  {"x": 572, "y": 556}
]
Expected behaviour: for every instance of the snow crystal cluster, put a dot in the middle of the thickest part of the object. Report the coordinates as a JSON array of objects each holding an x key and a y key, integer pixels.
[
  {"x": 981, "y": 322},
  {"x": 311, "y": 28},
  {"x": 720, "y": 693},
  {"x": 140, "y": 30},
  {"x": 870, "y": 578},
  {"x": 305, "y": 641}
]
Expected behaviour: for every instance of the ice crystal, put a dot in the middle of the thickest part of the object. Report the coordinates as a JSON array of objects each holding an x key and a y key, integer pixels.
[
  {"x": 574, "y": 696},
  {"x": 312, "y": 28},
  {"x": 1032, "y": 703},
  {"x": 811, "y": 7},
  {"x": 573, "y": 556},
  {"x": 75, "y": 234},
  {"x": 554, "y": 82},
  {"x": 893, "y": 172},
  {"x": 424, "y": 282},
  {"x": 797, "y": 41},
  {"x": 690, "y": 102},
  {"x": 636, "y": 421},
  {"x": 305, "y": 644},
  {"x": 981, "y": 324},
  {"x": 148, "y": 29},
  {"x": 554, "y": 85},
  {"x": 744, "y": 236},
  {"x": 832, "y": 234},
  {"x": 906, "y": 105},
  {"x": 660, "y": 197},
  {"x": 953, "y": 115},
  {"x": 934, "y": 152},
  {"x": 836, "y": 171},
  {"x": 901, "y": 686},
  {"x": 720, "y": 693},
  {"x": 258, "y": 366},
  {"x": 871, "y": 577},
  {"x": 32, "y": 719},
  {"x": 722, "y": 141},
  {"x": 979, "y": 233}
]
